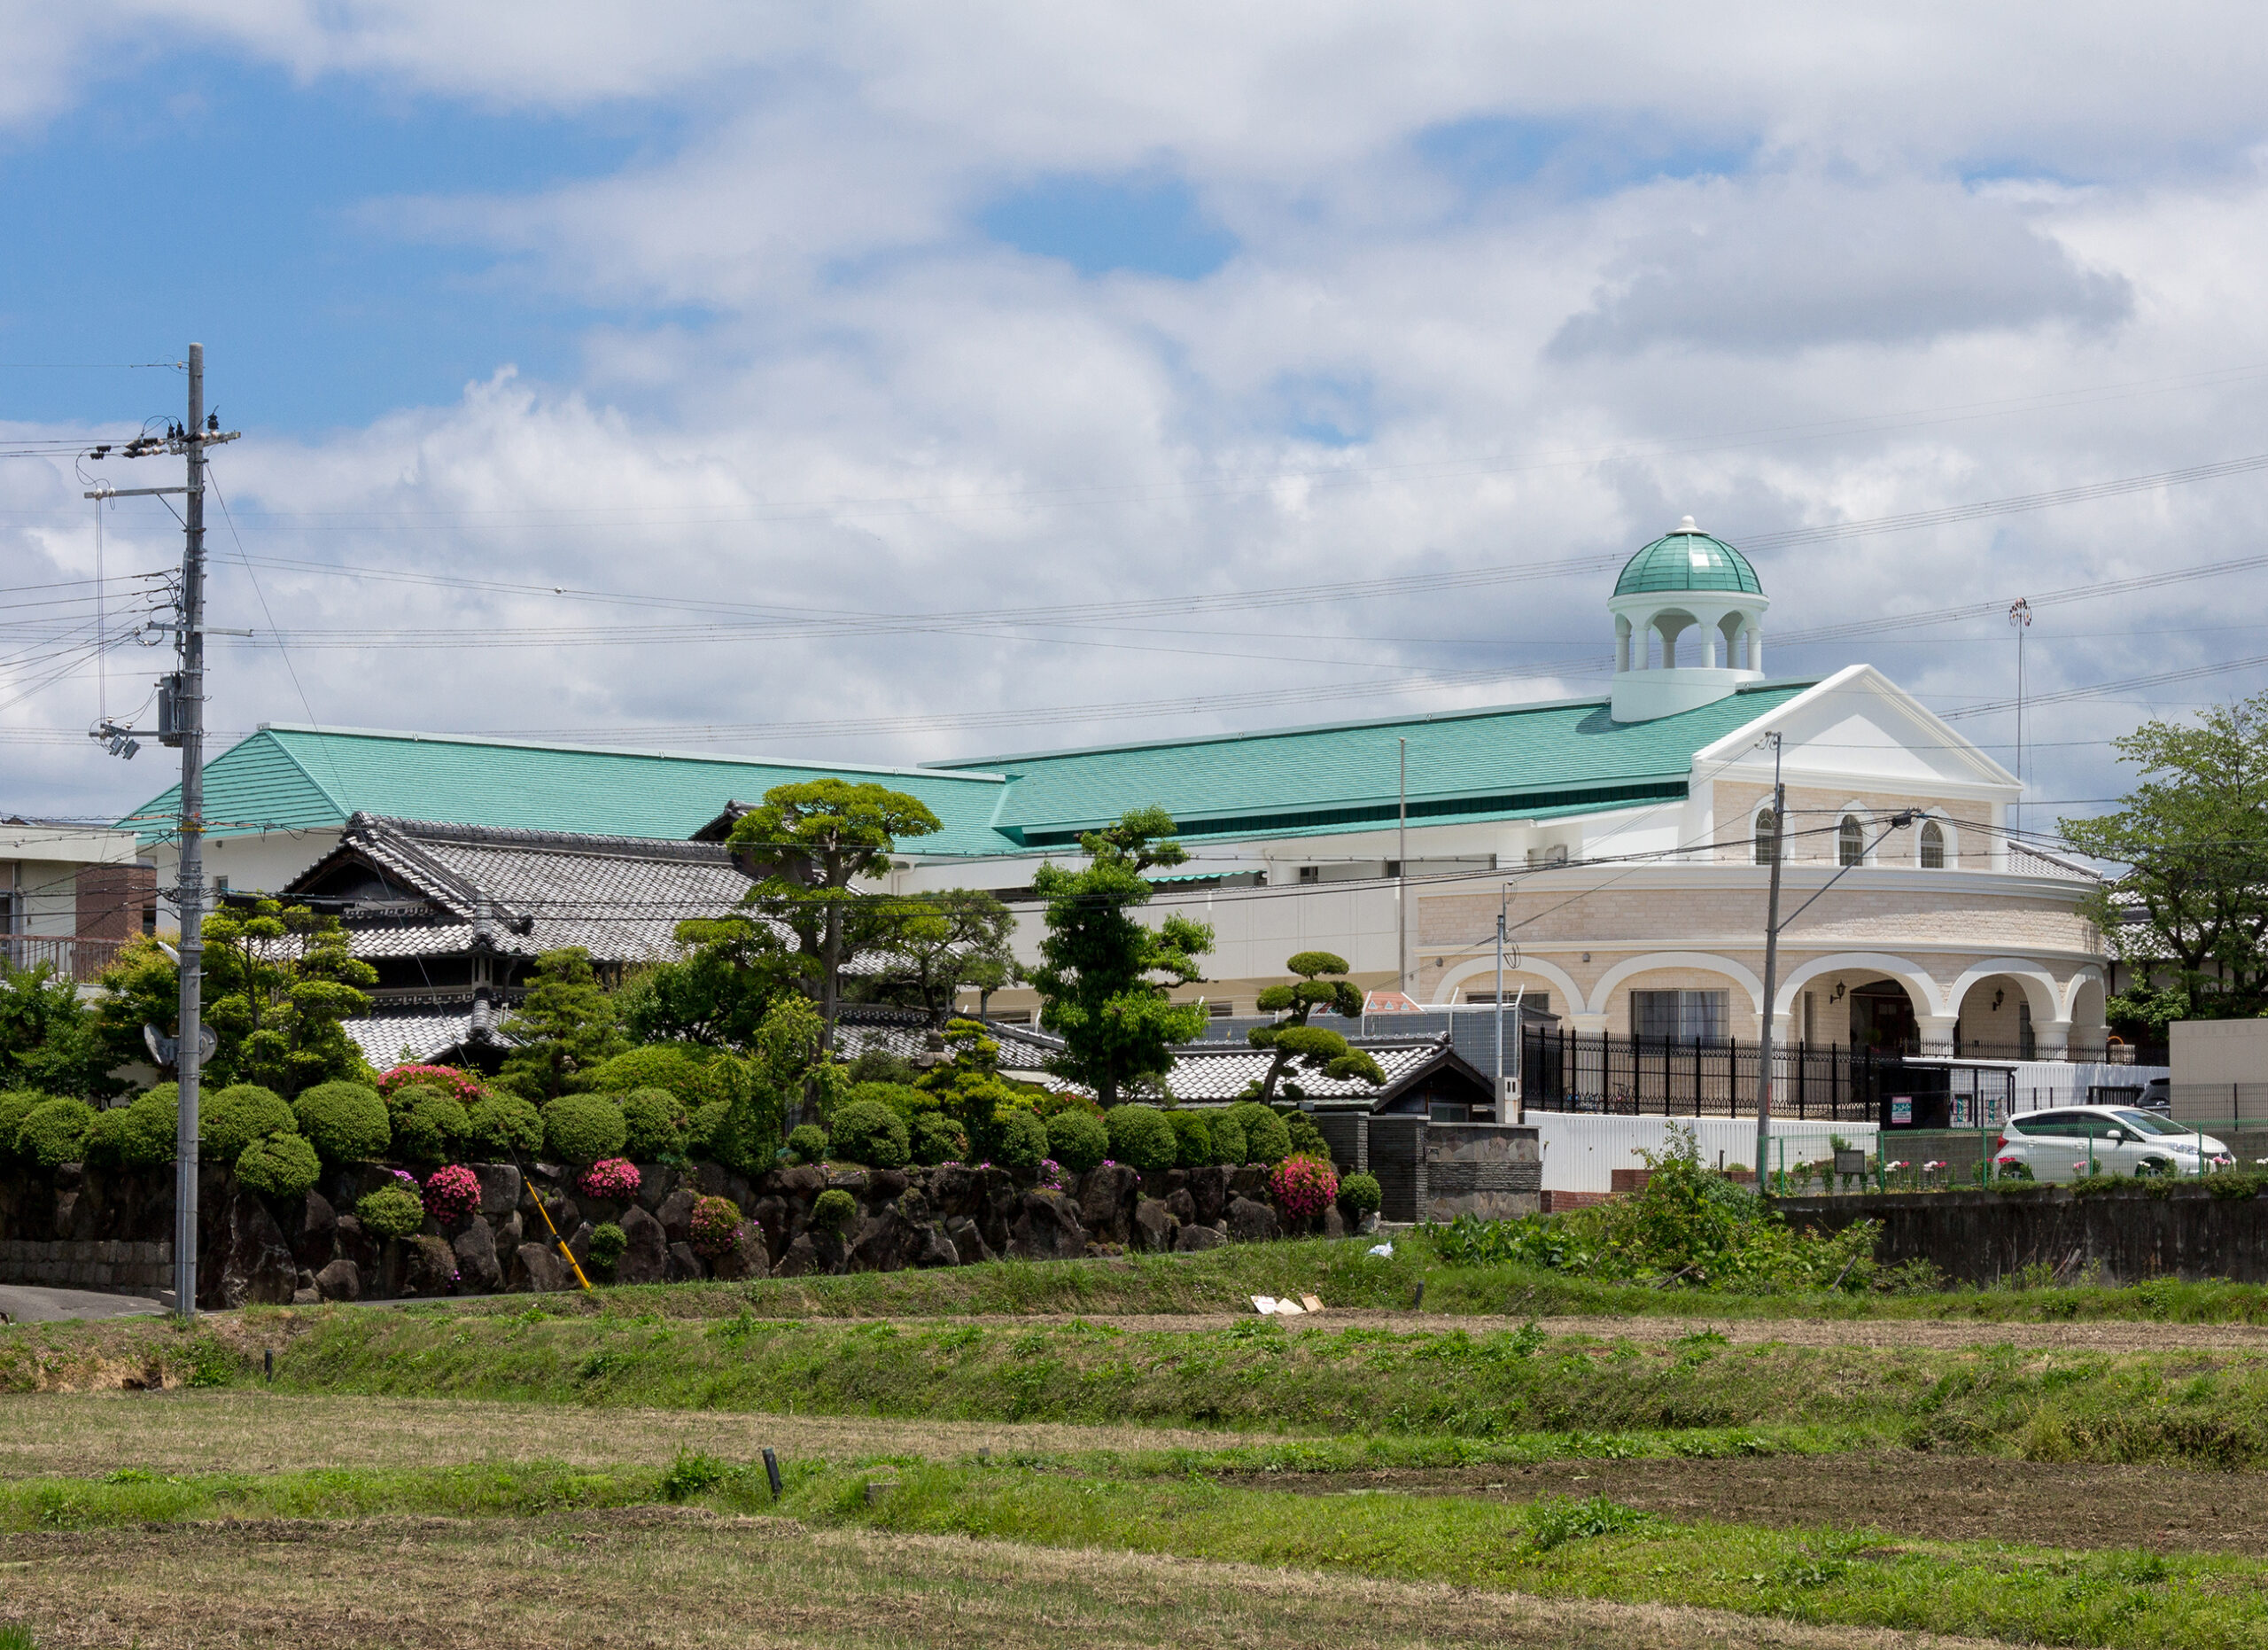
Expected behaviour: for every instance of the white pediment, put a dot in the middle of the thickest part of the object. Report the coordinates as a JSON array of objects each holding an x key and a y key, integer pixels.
[{"x": 1859, "y": 727}]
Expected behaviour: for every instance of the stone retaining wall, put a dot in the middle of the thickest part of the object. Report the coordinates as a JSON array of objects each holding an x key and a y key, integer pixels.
[{"x": 312, "y": 1248}]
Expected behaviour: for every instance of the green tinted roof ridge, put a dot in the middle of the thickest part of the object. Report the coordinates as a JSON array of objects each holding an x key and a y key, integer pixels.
[{"x": 725, "y": 759}]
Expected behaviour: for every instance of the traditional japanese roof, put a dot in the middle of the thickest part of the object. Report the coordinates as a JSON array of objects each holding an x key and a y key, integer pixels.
[
  {"x": 419, "y": 888},
  {"x": 1215, "y": 1073}
]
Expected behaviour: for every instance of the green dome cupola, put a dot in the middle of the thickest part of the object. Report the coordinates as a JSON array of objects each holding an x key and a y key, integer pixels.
[
  {"x": 1688, "y": 559},
  {"x": 1689, "y": 625}
]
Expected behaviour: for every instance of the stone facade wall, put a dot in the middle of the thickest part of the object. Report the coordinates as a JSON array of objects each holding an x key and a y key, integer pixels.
[
  {"x": 1492, "y": 1171},
  {"x": 108, "y": 1265},
  {"x": 1811, "y": 808}
]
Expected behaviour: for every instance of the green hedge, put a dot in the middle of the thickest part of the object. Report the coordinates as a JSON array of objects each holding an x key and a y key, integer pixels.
[
  {"x": 583, "y": 1128},
  {"x": 344, "y": 1122},
  {"x": 232, "y": 1118}
]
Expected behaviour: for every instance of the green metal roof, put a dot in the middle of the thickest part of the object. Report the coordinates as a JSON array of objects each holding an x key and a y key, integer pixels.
[
  {"x": 1688, "y": 559},
  {"x": 1523, "y": 761},
  {"x": 1504, "y": 763},
  {"x": 295, "y": 778}
]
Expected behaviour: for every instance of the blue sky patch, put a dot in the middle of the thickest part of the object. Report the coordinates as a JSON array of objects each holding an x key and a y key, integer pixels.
[{"x": 1100, "y": 226}]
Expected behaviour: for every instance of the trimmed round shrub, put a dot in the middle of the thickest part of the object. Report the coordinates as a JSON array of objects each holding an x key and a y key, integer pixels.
[
  {"x": 142, "y": 1135},
  {"x": 1077, "y": 1141},
  {"x": 1193, "y": 1139},
  {"x": 833, "y": 1209},
  {"x": 1141, "y": 1137},
  {"x": 282, "y": 1165},
  {"x": 695, "y": 1078},
  {"x": 55, "y": 1131},
  {"x": 344, "y": 1122},
  {"x": 716, "y": 1222},
  {"x": 1303, "y": 1188},
  {"x": 808, "y": 1141},
  {"x": 452, "y": 1193},
  {"x": 655, "y": 1121},
  {"x": 608, "y": 1244},
  {"x": 502, "y": 1125},
  {"x": 1266, "y": 1140},
  {"x": 232, "y": 1118},
  {"x": 583, "y": 1128},
  {"x": 613, "y": 1178},
  {"x": 431, "y": 1129},
  {"x": 704, "y": 1136},
  {"x": 1228, "y": 1136},
  {"x": 902, "y": 1098},
  {"x": 937, "y": 1139},
  {"x": 1023, "y": 1141},
  {"x": 16, "y": 1104},
  {"x": 867, "y": 1132},
  {"x": 1359, "y": 1195},
  {"x": 391, "y": 1211}
]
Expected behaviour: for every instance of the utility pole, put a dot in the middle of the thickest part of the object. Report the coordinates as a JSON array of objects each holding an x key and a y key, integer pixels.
[
  {"x": 1402, "y": 878},
  {"x": 1771, "y": 969},
  {"x": 1501, "y": 915},
  {"x": 189, "y": 711},
  {"x": 2020, "y": 618},
  {"x": 180, "y": 722}
]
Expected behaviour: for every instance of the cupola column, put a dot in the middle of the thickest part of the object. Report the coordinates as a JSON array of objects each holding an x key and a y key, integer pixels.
[{"x": 1621, "y": 644}]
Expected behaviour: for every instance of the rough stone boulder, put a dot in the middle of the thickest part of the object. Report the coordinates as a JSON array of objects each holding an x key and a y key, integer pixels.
[
  {"x": 814, "y": 1254},
  {"x": 341, "y": 1281},
  {"x": 969, "y": 1247},
  {"x": 499, "y": 1189},
  {"x": 421, "y": 1266},
  {"x": 1107, "y": 1201},
  {"x": 1156, "y": 1226},
  {"x": 747, "y": 1259},
  {"x": 1190, "y": 1240},
  {"x": 1249, "y": 1181},
  {"x": 478, "y": 1270},
  {"x": 647, "y": 1260},
  {"x": 1183, "y": 1204},
  {"x": 315, "y": 1235},
  {"x": 540, "y": 1269},
  {"x": 1251, "y": 1222},
  {"x": 685, "y": 1266},
  {"x": 675, "y": 1212},
  {"x": 1047, "y": 1229},
  {"x": 260, "y": 1267},
  {"x": 1209, "y": 1195}
]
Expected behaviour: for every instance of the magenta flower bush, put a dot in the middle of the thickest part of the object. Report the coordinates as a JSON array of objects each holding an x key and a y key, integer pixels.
[
  {"x": 452, "y": 1193},
  {"x": 716, "y": 1225},
  {"x": 464, "y": 1089},
  {"x": 609, "y": 1177},
  {"x": 1303, "y": 1188}
]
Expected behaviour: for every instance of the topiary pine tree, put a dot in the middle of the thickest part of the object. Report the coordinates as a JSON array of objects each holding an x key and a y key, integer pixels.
[
  {"x": 809, "y": 843},
  {"x": 564, "y": 1026},
  {"x": 1300, "y": 1047},
  {"x": 1096, "y": 976}
]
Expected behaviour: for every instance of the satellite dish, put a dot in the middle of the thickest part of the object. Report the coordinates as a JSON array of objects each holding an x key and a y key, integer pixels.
[{"x": 167, "y": 1050}]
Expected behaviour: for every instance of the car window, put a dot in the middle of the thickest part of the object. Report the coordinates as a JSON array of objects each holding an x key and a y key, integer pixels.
[
  {"x": 2056, "y": 1124},
  {"x": 2142, "y": 1123}
]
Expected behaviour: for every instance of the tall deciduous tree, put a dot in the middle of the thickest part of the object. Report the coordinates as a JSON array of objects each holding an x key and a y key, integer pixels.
[
  {"x": 733, "y": 968},
  {"x": 566, "y": 1025},
  {"x": 49, "y": 1037},
  {"x": 1104, "y": 976},
  {"x": 809, "y": 843},
  {"x": 1298, "y": 1046},
  {"x": 2193, "y": 835},
  {"x": 938, "y": 943}
]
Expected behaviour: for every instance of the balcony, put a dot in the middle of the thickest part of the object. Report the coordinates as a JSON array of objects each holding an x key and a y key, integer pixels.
[{"x": 69, "y": 957}]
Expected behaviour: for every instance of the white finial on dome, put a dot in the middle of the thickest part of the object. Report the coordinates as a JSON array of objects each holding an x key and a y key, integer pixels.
[{"x": 1687, "y": 526}]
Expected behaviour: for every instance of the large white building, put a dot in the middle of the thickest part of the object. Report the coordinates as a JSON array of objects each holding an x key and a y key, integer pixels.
[{"x": 1623, "y": 838}]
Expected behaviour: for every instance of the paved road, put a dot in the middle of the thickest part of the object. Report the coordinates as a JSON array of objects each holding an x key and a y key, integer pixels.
[{"x": 25, "y": 1304}]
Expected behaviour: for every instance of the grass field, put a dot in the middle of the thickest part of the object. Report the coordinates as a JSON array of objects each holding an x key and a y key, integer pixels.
[{"x": 1101, "y": 1450}]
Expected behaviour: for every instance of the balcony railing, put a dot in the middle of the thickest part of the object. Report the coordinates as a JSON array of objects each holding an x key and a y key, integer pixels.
[{"x": 66, "y": 955}]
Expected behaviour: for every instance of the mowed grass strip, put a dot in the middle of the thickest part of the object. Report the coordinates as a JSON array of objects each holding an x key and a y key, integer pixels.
[
  {"x": 687, "y": 1579},
  {"x": 1591, "y": 1549},
  {"x": 2194, "y": 1407}
]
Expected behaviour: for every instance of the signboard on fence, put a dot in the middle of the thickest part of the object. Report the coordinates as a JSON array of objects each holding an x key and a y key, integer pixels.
[{"x": 1901, "y": 1111}]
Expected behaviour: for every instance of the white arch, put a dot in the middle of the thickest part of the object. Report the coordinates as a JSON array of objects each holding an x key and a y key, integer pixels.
[
  {"x": 1928, "y": 999},
  {"x": 2039, "y": 987},
  {"x": 1946, "y": 829},
  {"x": 1868, "y": 852},
  {"x": 2081, "y": 976},
  {"x": 1700, "y": 961},
  {"x": 1466, "y": 973}
]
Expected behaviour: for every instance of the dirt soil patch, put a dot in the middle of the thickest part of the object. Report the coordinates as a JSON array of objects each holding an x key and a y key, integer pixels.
[
  {"x": 676, "y": 1580},
  {"x": 1927, "y": 1497}
]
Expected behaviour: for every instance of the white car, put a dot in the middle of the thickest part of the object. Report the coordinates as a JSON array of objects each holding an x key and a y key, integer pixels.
[{"x": 2060, "y": 1144}]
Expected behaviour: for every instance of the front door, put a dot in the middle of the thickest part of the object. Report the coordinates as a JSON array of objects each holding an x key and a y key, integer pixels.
[{"x": 1881, "y": 1018}]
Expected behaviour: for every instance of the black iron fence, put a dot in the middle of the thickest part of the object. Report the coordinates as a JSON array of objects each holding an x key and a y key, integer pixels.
[{"x": 1651, "y": 1076}]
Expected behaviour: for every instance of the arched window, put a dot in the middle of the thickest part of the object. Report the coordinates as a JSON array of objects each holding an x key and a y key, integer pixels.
[
  {"x": 1933, "y": 847},
  {"x": 1851, "y": 842},
  {"x": 1764, "y": 843}
]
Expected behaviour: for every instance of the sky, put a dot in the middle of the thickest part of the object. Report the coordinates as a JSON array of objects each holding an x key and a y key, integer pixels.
[{"x": 891, "y": 383}]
